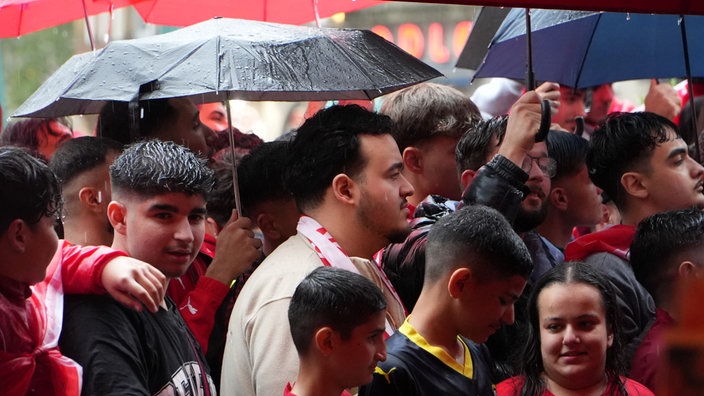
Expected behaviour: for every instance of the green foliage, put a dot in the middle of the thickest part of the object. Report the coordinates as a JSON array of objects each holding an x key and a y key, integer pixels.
[{"x": 28, "y": 61}]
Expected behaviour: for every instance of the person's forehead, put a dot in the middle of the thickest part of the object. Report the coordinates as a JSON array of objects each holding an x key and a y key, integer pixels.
[{"x": 539, "y": 149}]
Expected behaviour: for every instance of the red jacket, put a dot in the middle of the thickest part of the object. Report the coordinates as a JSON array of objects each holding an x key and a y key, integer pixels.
[
  {"x": 31, "y": 318},
  {"x": 198, "y": 296}
]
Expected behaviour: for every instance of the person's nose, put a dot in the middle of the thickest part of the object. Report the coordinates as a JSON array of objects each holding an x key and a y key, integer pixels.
[
  {"x": 570, "y": 336},
  {"x": 509, "y": 315},
  {"x": 697, "y": 169},
  {"x": 183, "y": 231},
  {"x": 380, "y": 355},
  {"x": 406, "y": 189}
]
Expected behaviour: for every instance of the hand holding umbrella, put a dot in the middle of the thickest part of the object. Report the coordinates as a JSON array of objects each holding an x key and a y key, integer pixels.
[{"x": 523, "y": 126}]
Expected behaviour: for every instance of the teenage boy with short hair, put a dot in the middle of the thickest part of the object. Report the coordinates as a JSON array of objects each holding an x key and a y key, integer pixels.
[
  {"x": 476, "y": 268},
  {"x": 337, "y": 325}
]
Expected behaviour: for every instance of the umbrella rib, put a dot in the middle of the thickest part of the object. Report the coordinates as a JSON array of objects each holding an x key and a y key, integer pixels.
[
  {"x": 584, "y": 57},
  {"x": 353, "y": 61},
  {"x": 182, "y": 59}
]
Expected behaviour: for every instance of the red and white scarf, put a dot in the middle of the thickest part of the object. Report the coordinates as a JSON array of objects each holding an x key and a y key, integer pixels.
[{"x": 332, "y": 255}]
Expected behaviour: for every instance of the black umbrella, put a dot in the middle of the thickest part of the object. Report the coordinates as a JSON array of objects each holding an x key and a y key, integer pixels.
[{"x": 223, "y": 59}]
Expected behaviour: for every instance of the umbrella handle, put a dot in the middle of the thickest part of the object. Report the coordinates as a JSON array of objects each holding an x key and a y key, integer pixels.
[{"x": 545, "y": 120}]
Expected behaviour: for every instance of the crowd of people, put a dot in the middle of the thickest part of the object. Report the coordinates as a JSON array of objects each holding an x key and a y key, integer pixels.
[{"x": 429, "y": 248}]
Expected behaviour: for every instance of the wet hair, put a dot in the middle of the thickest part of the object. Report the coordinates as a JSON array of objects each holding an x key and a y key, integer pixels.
[
  {"x": 475, "y": 145},
  {"x": 29, "y": 190},
  {"x": 24, "y": 133},
  {"x": 328, "y": 144},
  {"x": 568, "y": 150},
  {"x": 332, "y": 297},
  {"x": 530, "y": 362},
  {"x": 480, "y": 238},
  {"x": 116, "y": 119},
  {"x": 622, "y": 143},
  {"x": 689, "y": 134},
  {"x": 155, "y": 167},
  {"x": 261, "y": 175},
  {"x": 426, "y": 110},
  {"x": 80, "y": 155},
  {"x": 658, "y": 246},
  {"x": 244, "y": 142}
]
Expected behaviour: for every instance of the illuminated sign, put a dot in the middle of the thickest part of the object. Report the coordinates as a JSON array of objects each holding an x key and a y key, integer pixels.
[{"x": 436, "y": 43}]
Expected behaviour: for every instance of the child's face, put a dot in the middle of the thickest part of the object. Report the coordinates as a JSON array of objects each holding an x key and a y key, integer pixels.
[
  {"x": 356, "y": 357},
  {"x": 487, "y": 304},
  {"x": 573, "y": 334},
  {"x": 165, "y": 230}
]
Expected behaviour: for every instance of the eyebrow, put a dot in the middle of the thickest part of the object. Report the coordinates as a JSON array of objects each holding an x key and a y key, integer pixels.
[
  {"x": 174, "y": 209},
  {"x": 589, "y": 315},
  {"x": 199, "y": 211},
  {"x": 395, "y": 166},
  {"x": 677, "y": 151},
  {"x": 163, "y": 207}
]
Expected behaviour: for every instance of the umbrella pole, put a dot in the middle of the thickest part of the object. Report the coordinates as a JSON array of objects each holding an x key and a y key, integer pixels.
[
  {"x": 90, "y": 33},
  {"x": 231, "y": 137},
  {"x": 530, "y": 77},
  {"x": 690, "y": 87}
]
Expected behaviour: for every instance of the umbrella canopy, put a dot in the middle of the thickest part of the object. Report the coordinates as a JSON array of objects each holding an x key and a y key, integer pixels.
[
  {"x": 691, "y": 7},
  {"x": 230, "y": 59},
  {"x": 18, "y": 17},
  {"x": 583, "y": 49},
  {"x": 483, "y": 31},
  {"x": 296, "y": 12}
]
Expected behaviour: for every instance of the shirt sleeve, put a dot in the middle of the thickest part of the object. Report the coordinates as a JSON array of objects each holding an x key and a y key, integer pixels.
[
  {"x": 82, "y": 267},
  {"x": 390, "y": 379},
  {"x": 199, "y": 307}
]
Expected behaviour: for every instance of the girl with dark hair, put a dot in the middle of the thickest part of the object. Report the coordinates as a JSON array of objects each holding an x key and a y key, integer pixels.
[{"x": 573, "y": 341}]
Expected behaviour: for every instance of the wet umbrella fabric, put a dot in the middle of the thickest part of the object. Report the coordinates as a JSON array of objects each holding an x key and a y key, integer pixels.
[
  {"x": 171, "y": 12},
  {"x": 692, "y": 7},
  {"x": 483, "y": 31},
  {"x": 19, "y": 17},
  {"x": 230, "y": 59},
  {"x": 584, "y": 49}
]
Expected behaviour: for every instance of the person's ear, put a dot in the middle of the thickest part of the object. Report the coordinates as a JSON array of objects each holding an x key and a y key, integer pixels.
[
  {"x": 413, "y": 159},
  {"x": 688, "y": 270},
  {"x": 91, "y": 198},
  {"x": 211, "y": 226},
  {"x": 459, "y": 281},
  {"x": 609, "y": 339},
  {"x": 344, "y": 188},
  {"x": 324, "y": 340},
  {"x": 466, "y": 178},
  {"x": 558, "y": 198},
  {"x": 17, "y": 235},
  {"x": 267, "y": 224},
  {"x": 634, "y": 185},
  {"x": 117, "y": 214}
]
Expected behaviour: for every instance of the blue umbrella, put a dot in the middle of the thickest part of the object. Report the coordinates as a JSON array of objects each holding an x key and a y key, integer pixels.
[{"x": 583, "y": 49}]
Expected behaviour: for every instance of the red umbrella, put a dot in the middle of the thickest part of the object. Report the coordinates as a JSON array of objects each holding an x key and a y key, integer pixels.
[
  {"x": 18, "y": 17},
  {"x": 295, "y": 12},
  {"x": 689, "y": 7}
]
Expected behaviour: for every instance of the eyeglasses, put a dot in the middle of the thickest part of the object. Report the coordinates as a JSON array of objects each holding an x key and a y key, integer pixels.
[{"x": 546, "y": 164}]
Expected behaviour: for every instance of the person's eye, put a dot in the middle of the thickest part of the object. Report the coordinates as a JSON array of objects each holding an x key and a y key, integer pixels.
[
  {"x": 587, "y": 324},
  {"x": 163, "y": 215},
  {"x": 553, "y": 327},
  {"x": 196, "y": 218}
]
